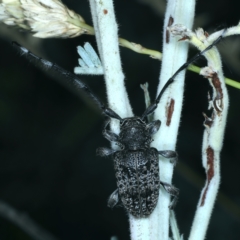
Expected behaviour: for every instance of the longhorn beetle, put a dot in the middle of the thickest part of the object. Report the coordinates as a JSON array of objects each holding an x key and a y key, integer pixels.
[{"x": 136, "y": 163}]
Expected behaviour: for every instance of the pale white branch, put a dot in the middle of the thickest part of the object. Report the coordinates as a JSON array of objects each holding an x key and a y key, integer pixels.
[
  {"x": 156, "y": 226},
  {"x": 107, "y": 40},
  {"x": 214, "y": 126}
]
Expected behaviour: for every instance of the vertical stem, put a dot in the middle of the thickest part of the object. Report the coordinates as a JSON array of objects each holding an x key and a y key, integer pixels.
[
  {"x": 170, "y": 107},
  {"x": 156, "y": 226},
  {"x": 107, "y": 39},
  {"x": 212, "y": 144},
  {"x": 214, "y": 125}
]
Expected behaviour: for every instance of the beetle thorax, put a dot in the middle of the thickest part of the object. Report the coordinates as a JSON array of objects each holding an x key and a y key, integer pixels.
[{"x": 133, "y": 134}]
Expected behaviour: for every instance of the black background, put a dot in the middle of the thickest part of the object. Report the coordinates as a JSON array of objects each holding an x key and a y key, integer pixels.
[{"x": 48, "y": 135}]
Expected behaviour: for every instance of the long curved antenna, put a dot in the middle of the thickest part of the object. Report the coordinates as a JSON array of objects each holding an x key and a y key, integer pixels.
[
  {"x": 73, "y": 80},
  {"x": 154, "y": 105}
]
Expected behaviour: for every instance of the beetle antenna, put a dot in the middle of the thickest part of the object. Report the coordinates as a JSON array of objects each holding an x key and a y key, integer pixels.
[
  {"x": 154, "y": 105},
  {"x": 73, "y": 80}
]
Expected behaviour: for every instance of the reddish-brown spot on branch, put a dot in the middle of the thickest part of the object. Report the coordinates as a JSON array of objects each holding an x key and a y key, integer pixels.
[
  {"x": 183, "y": 38},
  {"x": 217, "y": 85},
  {"x": 170, "y": 112},
  {"x": 170, "y": 22},
  {"x": 105, "y": 11},
  {"x": 210, "y": 172}
]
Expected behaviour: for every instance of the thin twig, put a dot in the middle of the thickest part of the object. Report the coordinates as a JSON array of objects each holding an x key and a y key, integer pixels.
[{"x": 24, "y": 222}]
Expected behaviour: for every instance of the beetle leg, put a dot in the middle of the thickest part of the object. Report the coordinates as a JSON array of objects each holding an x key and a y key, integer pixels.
[
  {"x": 110, "y": 136},
  {"x": 172, "y": 191},
  {"x": 169, "y": 154},
  {"x": 113, "y": 199},
  {"x": 104, "y": 152}
]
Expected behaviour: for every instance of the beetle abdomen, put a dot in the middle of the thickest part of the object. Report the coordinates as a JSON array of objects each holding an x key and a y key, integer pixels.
[{"x": 137, "y": 174}]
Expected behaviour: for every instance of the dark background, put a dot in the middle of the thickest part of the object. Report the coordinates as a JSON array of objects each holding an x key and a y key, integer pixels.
[{"x": 48, "y": 135}]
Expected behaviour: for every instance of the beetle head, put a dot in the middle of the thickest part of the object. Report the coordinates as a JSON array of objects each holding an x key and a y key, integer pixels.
[{"x": 134, "y": 134}]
